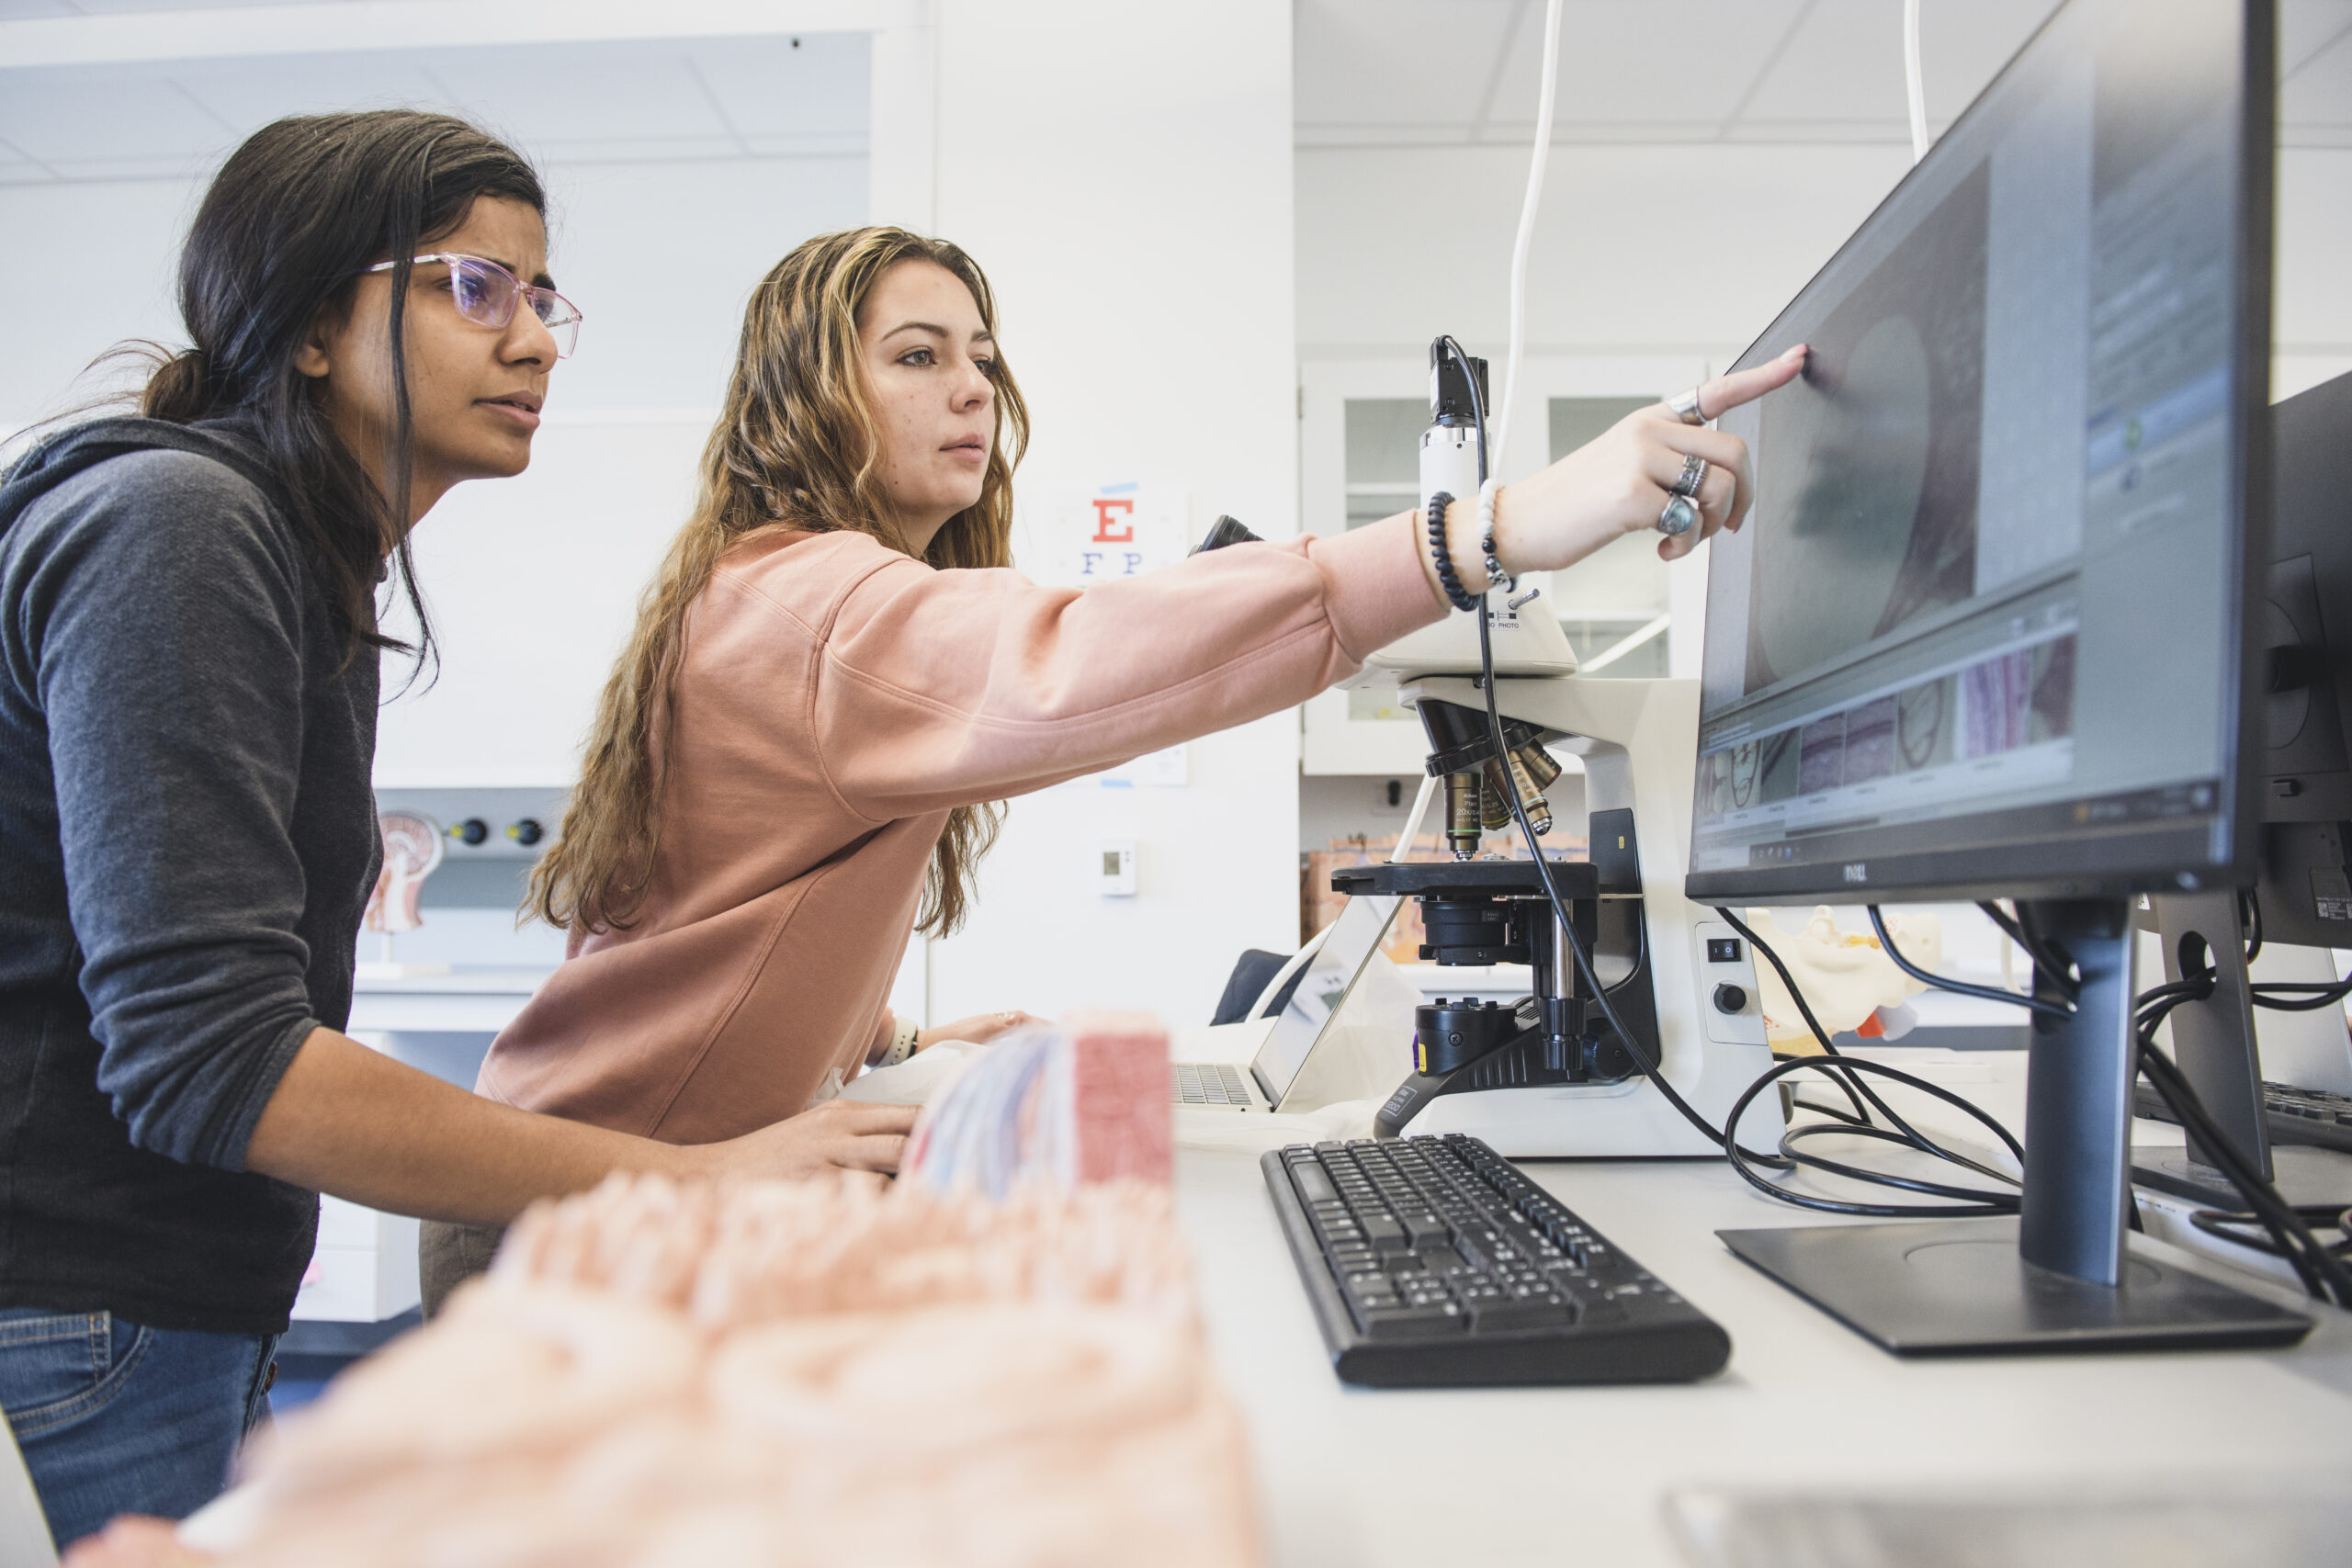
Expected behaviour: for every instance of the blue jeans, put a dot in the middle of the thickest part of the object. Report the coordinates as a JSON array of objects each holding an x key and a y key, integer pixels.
[{"x": 114, "y": 1418}]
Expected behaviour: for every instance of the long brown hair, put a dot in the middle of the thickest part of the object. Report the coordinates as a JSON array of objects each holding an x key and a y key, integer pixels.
[{"x": 796, "y": 447}]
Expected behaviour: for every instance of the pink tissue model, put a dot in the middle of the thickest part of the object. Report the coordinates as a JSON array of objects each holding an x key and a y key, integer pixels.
[
  {"x": 1082, "y": 1100},
  {"x": 798, "y": 1375}
]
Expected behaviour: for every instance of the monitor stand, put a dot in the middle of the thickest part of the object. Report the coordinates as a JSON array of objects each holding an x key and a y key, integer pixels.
[
  {"x": 2059, "y": 1277},
  {"x": 2217, "y": 1046}
]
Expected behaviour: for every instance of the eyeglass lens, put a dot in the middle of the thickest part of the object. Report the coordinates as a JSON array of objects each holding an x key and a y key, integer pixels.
[{"x": 486, "y": 293}]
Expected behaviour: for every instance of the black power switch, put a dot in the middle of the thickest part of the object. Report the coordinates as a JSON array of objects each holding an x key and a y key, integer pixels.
[
  {"x": 1722, "y": 950},
  {"x": 1731, "y": 998}
]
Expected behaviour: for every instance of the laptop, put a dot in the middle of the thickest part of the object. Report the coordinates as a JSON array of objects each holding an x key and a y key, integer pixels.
[{"x": 1346, "y": 1034}]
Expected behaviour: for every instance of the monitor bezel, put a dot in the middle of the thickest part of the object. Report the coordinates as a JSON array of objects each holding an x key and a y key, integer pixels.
[{"x": 2122, "y": 860}]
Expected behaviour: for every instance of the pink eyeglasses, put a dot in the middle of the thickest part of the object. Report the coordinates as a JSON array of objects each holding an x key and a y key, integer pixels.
[{"x": 486, "y": 293}]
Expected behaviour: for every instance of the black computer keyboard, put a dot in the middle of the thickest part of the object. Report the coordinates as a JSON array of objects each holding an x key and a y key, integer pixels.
[
  {"x": 1432, "y": 1262},
  {"x": 2292, "y": 1115}
]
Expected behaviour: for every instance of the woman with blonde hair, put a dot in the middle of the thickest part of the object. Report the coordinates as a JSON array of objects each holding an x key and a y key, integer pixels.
[{"x": 837, "y": 676}]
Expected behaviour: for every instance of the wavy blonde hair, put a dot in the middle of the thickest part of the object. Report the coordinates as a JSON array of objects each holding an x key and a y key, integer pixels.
[{"x": 796, "y": 447}]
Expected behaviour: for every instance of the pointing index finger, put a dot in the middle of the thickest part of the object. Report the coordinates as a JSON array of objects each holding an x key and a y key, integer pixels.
[{"x": 1727, "y": 393}]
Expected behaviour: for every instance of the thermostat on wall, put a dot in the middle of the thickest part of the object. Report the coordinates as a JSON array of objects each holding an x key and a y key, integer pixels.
[{"x": 1115, "y": 874}]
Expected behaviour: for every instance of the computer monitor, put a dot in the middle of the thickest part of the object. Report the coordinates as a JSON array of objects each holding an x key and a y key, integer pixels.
[
  {"x": 2304, "y": 887},
  {"x": 1986, "y": 632},
  {"x": 2305, "y": 635}
]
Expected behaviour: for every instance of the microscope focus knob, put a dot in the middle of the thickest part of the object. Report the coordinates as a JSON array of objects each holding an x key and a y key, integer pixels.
[{"x": 1731, "y": 998}]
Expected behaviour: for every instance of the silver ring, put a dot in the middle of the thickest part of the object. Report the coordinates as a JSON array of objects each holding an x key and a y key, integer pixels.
[
  {"x": 1694, "y": 474},
  {"x": 1681, "y": 515},
  {"x": 1686, "y": 407}
]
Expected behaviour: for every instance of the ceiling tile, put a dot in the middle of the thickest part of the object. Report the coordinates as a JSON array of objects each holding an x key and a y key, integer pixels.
[
  {"x": 770, "y": 90},
  {"x": 248, "y": 94},
  {"x": 2306, "y": 26},
  {"x": 586, "y": 92},
  {"x": 1669, "y": 63},
  {"x": 2321, "y": 92},
  {"x": 1399, "y": 62},
  {"x": 1962, "y": 46},
  {"x": 105, "y": 119},
  {"x": 26, "y": 10},
  {"x": 1844, "y": 62}
]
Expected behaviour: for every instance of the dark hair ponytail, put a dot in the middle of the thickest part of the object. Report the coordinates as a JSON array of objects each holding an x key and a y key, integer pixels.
[{"x": 290, "y": 222}]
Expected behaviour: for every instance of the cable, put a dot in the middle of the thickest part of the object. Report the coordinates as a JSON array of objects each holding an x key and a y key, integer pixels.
[
  {"x": 1960, "y": 988},
  {"x": 2323, "y": 1272},
  {"x": 2323, "y": 1275},
  {"x": 2324, "y": 996},
  {"x": 1915, "y": 85},
  {"x": 1545, "y": 99}
]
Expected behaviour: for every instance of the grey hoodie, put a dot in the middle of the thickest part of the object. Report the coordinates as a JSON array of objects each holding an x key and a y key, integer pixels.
[{"x": 187, "y": 844}]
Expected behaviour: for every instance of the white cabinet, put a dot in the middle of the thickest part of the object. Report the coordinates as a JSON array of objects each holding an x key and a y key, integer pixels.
[{"x": 364, "y": 1269}]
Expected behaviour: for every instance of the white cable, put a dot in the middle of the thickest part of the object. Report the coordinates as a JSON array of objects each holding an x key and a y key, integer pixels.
[
  {"x": 1915, "y": 84},
  {"x": 1413, "y": 822},
  {"x": 1500, "y": 428}
]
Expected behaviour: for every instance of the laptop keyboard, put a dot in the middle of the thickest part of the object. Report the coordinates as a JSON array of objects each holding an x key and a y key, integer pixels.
[{"x": 1207, "y": 1083}]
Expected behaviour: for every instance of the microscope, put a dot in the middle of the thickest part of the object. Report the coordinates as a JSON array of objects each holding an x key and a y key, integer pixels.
[{"x": 1551, "y": 1076}]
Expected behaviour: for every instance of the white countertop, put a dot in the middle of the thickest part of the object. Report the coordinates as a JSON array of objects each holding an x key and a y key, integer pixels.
[{"x": 1362, "y": 1476}]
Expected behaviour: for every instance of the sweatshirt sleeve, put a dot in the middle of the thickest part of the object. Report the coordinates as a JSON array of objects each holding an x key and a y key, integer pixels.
[
  {"x": 940, "y": 688},
  {"x": 162, "y": 629}
]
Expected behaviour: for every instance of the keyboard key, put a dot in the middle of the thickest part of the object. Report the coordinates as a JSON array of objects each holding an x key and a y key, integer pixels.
[
  {"x": 1407, "y": 1322},
  {"x": 1313, "y": 1185},
  {"x": 1489, "y": 1314},
  {"x": 1422, "y": 1229}
]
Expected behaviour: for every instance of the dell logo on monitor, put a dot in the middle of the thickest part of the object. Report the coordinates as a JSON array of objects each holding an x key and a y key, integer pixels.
[{"x": 1857, "y": 873}]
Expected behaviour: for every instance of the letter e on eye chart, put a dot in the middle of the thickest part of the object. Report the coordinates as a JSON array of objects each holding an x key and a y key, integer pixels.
[{"x": 1085, "y": 538}]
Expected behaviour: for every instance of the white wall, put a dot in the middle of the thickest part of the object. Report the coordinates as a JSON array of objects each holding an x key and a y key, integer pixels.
[
  {"x": 86, "y": 267},
  {"x": 1124, "y": 175}
]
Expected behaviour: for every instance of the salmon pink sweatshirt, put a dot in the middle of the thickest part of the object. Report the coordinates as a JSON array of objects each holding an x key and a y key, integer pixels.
[{"x": 836, "y": 700}]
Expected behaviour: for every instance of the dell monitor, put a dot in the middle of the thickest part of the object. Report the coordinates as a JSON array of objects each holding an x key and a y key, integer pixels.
[
  {"x": 2306, "y": 673},
  {"x": 1988, "y": 629},
  {"x": 2302, "y": 895}
]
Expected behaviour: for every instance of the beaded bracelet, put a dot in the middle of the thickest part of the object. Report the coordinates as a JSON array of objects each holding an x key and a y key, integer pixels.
[
  {"x": 1446, "y": 577},
  {"x": 1495, "y": 576}
]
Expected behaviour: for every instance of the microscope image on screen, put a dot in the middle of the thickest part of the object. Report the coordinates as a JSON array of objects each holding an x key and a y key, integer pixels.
[{"x": 1885, "y": 424}]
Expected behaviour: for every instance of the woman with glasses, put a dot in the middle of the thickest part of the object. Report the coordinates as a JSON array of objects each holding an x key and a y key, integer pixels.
[
  {"x": 836, "y": 676},
  {"x": 190, "y": 647}
]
